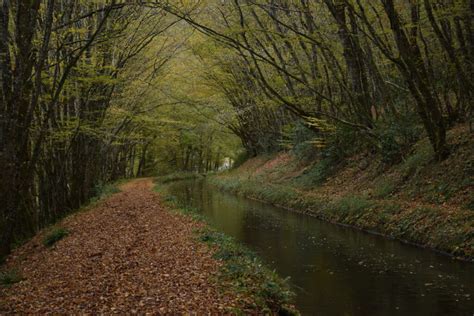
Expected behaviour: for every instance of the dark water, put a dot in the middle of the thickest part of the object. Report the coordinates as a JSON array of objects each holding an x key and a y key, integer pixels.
[{"x": 336, "y": 270}]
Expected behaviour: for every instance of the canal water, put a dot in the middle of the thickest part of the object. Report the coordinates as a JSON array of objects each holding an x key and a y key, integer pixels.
[{"x": 336, "y": 270}]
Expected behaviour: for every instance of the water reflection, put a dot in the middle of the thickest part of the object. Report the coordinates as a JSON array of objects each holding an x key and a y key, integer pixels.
[{"x": 336, "y": 270}]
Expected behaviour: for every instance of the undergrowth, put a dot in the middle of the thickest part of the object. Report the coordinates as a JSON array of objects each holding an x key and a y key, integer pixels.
[
  {"x": 246, "y": 274},
  {"x": 353, "y": 205},
  {"x": 54, "y": 236},
  {"x": 383, "y": 188},
  {"x": 178, "y": 176},
  {"x": 10, "y": 277},
  {"x": 103, "y": 190},
  {"x": 318, "y": 174}
]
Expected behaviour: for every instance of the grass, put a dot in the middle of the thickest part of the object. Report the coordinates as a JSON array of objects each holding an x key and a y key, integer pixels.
[
  {"x": 55, "y": 235},
  {"x": 422, "y": 224},
  {"x": 275, "y": 194},
  {"x": 10, "y": 277},
  {"x": 420, "y": 158},
  {"x": 353, "y": 205},
  {"x": 317, "y": 175},
  {"x": 470, "y": 205},
  {"x": 103, "y": 190},
  {"x": 242, "y": 272},
  {"x": 441, "y": 192},
  {"x": 246, "y": 274},
  {"x": 384, "y": 188},
  {"x": 18, "y": 243},
  {"x": 427, "y": 227},
  {"x": 178, "y": 176},
  {"x": 387, "y": 211}
]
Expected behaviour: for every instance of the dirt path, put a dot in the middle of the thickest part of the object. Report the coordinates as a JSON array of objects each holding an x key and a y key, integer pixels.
[{"x": 126, "y": 255}]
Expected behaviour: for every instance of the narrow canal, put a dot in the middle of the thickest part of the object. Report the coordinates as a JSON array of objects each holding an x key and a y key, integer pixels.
[{"x": 337, "y": 270}]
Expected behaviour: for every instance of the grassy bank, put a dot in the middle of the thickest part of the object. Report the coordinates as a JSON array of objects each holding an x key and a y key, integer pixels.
[
  {"x": 242, "y": 272},
  {"x": 179, "y": 176},
  {"x": 418, "y": 201}
]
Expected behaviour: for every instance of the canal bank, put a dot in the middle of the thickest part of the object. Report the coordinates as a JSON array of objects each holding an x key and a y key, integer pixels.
[
  {"x": 336, "y": 270},
  {"x": 259, "y": 289},
  {"x": 419, "y": 200},
  {"x": 450, "y": 233}
]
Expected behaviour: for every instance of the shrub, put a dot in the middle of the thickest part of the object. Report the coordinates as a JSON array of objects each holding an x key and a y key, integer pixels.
[
  {"x": 318, "y": 174},
  {"x": 344, "y": 142},
  {"x": 397, "y": 136},
  {"x": 470, "y": 205},
  {"x": 10, "y": 277},
  {"x": 301, "y": 138},
  {"x": 417, "y": 160},
  {"x": 102, "y": 190},
  {"x": 178, "y": 176},
  {"x": 240, "y": 159},
  {"x": 54, "y": 236}
]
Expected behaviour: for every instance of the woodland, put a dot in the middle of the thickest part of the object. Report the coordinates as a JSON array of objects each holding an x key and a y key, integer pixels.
[{"x": 96, "y": 91}]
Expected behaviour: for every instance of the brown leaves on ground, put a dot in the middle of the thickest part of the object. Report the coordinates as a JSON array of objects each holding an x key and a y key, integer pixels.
[{"x": 126, "y": 255}]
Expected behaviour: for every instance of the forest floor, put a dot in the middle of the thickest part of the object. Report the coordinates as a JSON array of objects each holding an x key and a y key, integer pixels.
[{"x": 127, "y": 254}]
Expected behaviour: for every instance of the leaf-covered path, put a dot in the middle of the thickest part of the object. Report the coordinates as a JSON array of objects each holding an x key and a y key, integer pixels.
[{"x": 125, "y": 255}]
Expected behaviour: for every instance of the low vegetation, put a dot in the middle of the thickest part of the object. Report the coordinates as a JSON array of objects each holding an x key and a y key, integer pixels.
[
  {"x": 55, "y": 235},
  {"x": 179, "y": 176},
  {"x": 246, "y": 274},
  {"x": 103, "y": 190},
  {"x": 10, "y": 277}
]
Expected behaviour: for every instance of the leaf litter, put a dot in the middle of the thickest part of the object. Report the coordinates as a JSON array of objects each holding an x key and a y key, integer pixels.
[{"x": 127, "y": 254}]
